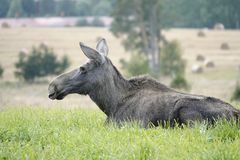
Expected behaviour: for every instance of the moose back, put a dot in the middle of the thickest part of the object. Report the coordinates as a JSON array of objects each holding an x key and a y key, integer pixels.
[{"x": 141, "y": 99}]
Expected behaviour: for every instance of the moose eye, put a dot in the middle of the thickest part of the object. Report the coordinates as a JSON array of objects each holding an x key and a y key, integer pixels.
[{"x": 82, "y": 69}]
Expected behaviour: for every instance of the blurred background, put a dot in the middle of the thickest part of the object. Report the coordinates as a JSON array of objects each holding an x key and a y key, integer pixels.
[{"x": 192, "y": 46}]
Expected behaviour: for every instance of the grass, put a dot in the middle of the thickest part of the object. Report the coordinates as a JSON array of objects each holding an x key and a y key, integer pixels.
[
  {"x": 219, "y": 74},
  {"x": 60, "y": 133},
  {"x": 38, "y": 133},
  {"x": 218, "y": 82}
]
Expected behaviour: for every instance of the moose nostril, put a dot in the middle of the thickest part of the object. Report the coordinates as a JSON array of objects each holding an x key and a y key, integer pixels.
[
  {"x": 51, "y": 95},
  {"x": 52, "y": 91}
]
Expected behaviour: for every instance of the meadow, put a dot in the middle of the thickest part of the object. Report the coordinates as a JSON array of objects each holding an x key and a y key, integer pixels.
[
  {"x": 60, "y": 133},
  {"x": 218, "y": 82},
  {"x": 35, "y": 127}
]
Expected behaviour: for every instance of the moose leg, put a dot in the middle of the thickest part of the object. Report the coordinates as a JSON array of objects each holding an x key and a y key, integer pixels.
[{"x": 189, "y": 116}]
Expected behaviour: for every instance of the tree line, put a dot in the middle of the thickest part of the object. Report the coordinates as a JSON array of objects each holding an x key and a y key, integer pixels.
[
  {"x": 139, "y": 24},
  {"x": 33, "y": 8},
  {"x": 200, "y": 13},
  {"x": 174, "y": 13}
]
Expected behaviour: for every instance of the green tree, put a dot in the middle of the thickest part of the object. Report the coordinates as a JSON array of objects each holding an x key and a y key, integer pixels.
[
  {"x": 66, "y": 7},
  {"x": 226, "y": 12},
  {"x": 82, "y": 22},
  {"x": 47, "y": 7},
  {"x": 97, "y": 22},
  {"x": 1, "y": 71},
  {"x": 201, "y": 13},
  {"x": 179, "y": 82},
  {"x": 40, "y": 62},
  {"x": 29, "y": 7},
  {"x": 184, "y": 13},
  {"x": 84, "y": 8},
  {"x": 4, "y": 7},
  {"x": 102, "y": 8},
  {"x": 137, "y": 22},
  {"x": 236, "y": 92},
  {"x": 137, "y": 65},
  {"x": 15, "y": 9},
  {"x": 172, "y": 63}
]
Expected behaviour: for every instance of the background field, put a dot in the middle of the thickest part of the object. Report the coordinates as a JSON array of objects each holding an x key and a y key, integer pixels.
[{"x": 218, "y": 81}]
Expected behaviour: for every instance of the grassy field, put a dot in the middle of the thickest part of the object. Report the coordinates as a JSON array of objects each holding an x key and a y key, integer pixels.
[
  {"x": 218, "y": 82},
  {"x": 48, "y": 130},
  {"x": 37, "y": 133}
]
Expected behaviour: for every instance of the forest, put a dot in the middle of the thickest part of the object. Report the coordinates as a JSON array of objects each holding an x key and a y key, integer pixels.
[{"x": 174, "y": 13}]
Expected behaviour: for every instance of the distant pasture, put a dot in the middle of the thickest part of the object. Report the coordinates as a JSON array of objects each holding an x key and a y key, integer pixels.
[{"x": 217, "y": 81}]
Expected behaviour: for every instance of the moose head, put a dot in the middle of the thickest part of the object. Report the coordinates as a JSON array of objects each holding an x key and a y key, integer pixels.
[{"x": 85, "y": 78}]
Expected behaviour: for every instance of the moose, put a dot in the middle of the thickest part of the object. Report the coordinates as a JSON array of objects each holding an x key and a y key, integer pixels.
[{"x": 140, "y": 99}]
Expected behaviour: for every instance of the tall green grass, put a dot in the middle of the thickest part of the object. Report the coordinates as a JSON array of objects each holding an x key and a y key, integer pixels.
[{"x": 38, "y": 133}]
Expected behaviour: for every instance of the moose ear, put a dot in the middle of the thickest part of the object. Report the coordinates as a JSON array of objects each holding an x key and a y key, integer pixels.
[
  {"x": 92, "y": 53},
  {"x": 102, "y": 47}
]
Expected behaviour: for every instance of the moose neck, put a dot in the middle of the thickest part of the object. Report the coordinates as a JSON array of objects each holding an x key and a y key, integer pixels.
[{"x": 110, "y": 92}]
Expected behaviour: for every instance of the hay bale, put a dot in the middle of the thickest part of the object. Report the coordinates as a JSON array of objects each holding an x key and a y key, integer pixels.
[
  {"x": 23, "y": 25},
  {"x": 201, "y": 33},
  {"x": 219, "y": 26},
  {"x": 197, "y": 68},
  {"x": 5, "y": 25},
  {"x": 225, "y": 46},
  {"x": 209, "y": 64},
  {"x": 200, "y": 58}
]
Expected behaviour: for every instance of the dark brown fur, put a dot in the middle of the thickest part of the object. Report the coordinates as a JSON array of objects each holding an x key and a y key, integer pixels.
[{"x": 139, "y": 99}]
